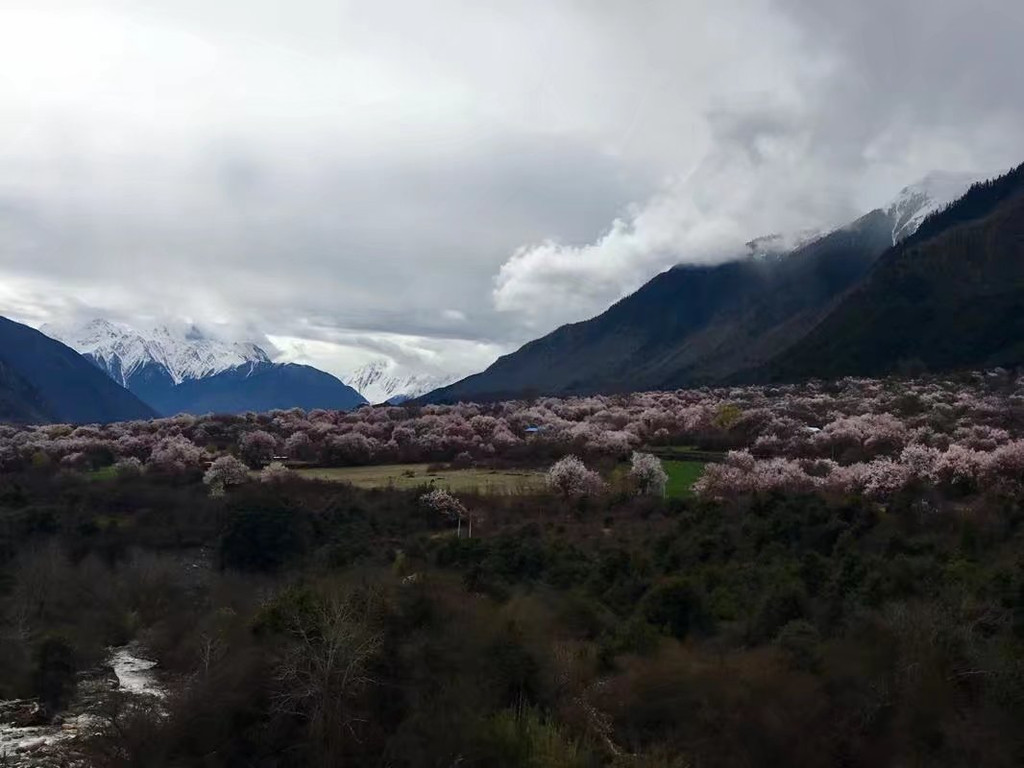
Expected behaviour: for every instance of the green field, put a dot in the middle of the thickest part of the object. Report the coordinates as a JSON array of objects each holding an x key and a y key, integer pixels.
[
  {"x": 103, "y": 473},
  {"x": 417, "y": 475},
  {"x": 681, "y": 477}
]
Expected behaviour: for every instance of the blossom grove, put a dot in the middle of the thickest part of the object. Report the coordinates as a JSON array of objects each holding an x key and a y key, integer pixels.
[{"x": 872, "y": 437}]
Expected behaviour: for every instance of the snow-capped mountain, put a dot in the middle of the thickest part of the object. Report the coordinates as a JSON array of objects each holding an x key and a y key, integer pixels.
[
  {"x": 778, "y": 244},
  {"x": 906, "y": 211},
  {"x": 186, "y": 371},
  {"x": 918, "y": 201},
  {"x": 184, "y": 354},
  {"x": 380, "y": 381}
]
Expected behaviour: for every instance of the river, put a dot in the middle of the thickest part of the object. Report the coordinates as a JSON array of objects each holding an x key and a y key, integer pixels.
[{"x": 127, "y": 671}]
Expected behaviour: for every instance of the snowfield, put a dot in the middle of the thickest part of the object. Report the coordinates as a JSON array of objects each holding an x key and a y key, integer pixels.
[{"x": 185, "y": 354}]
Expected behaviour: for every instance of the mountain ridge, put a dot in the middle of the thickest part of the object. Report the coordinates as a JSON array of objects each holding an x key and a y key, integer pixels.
[
  {"x": 379, "y": 383},
  {"x": 122, "y": 350},
  {"x": 694, "y": 325},
  {"x": 188, "y": 371},
  {"x": 43, "y": 380},
  {"x": 952, "y": 295}
]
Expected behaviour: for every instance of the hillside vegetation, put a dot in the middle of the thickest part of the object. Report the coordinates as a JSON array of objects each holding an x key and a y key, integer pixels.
[
  {"x": 950, "y": 297},
  {"x": 844, "y": 588}
]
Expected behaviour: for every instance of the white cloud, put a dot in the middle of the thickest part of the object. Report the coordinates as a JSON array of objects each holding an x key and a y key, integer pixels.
[
  {"x": 459, "y": 174},
  {"x": 868, "y": 97},
  {"x": 408, "y": 355},
  {"x": 746, "y": 187}
]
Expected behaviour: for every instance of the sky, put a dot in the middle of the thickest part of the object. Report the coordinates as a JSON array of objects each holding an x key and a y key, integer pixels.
[{"x": 437, "y": 183}]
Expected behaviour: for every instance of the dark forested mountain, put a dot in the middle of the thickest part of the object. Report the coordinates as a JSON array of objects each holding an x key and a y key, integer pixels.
[
  {"x": 691, "y": 324},
  {"x": 187, "y": 371},
  {"x": 922, "y": 280},
  {"x": 951, "y": 296},
  {"x": 259, "y": 387},
  {"x": 41, "y": 380},
  {"x": 20, "y": 402}
]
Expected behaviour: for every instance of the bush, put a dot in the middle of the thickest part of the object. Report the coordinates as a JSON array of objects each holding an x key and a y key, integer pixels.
[
  {"x": 676, "y": 607},
  {"x": 647, "y": 474},
  {"x": 275, "y": 472},
  {"x": 782, "y": 604},
  {"x": 226, "y": 471},
  {"x": 129, "y": 467},
  {"x": 441, "y": 503},
  {"x": 258, "y": 448},
  {"x": 800, "y": 641},
  {"x": 570, "y": 478},
  {"x": 263, "y": 539},
  {"x": 521, "y": 739},
  {"x": 53, "y": 673}
]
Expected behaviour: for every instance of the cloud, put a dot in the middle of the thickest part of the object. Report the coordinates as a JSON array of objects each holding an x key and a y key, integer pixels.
[
  {"x": 873, "y": 96},
  {"x": 341, "y": 353},
  {"x": 438, "y": 183},
  {"x": 757, "y": 179}
]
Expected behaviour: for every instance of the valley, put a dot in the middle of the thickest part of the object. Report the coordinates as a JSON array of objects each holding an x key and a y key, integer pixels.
[
  {"x": 418, "y": 476},
  {"x": 516, "y": 384},
  {"x": 541, "y": 569}
]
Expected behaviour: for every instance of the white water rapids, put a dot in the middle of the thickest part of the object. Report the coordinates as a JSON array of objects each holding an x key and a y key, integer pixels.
[{"x": 39, "y": 746}]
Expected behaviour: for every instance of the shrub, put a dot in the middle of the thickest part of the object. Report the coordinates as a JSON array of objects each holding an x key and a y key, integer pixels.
[
  {"x": 226, "y": 471},
  {"x": 129, "y": 467},
  {"x": 570, "y": 478},
  {"x": 263, "y": 539},
  {"x": 647, "y": 474},
  {"x": 275, "y": 472},
  {"x": 676, "y": 607},
  {"x": 53, "y": 673},
  {"x": 522, "y": 739},
  {"x": 176, "y": 455},
  {"x": 800, "y": 641},
  {"x": 441, "y": 502},
  {"x": 257, "y": 447},
  {"x": 782, "y": 604}
]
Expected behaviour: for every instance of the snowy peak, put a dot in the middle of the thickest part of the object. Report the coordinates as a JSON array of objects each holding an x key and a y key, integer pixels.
[
  {"x": 779, "y": 244},
  {"x": 918, "y": 201},
  {"x": 380, "y": 381},
  {"x": 185, "y": 354},
  {"x": 907, "y": 211}
]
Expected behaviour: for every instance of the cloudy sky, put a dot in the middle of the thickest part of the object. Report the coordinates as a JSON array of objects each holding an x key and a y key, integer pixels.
[{"x": 438, "y": 182}]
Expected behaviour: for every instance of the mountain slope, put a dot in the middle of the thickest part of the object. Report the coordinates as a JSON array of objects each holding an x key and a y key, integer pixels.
[
  {"x": 378, "y": 382},
  {"x": 187, "y": 371},
  {"x": 930, "y": 195},
  {"x": 689, "y": 325},
  {"x": 20, "y": 402},
  {"x": 261, "y": 387},
  {"x": 700, "y": 324},
  {"x": 182, "y": 355},
  {"x": 951, "y": 296},
  {"x": 42, "y": 380}
]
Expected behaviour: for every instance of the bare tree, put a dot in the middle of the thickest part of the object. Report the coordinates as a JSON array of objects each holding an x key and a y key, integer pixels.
[{"x": 325, "y": 668}]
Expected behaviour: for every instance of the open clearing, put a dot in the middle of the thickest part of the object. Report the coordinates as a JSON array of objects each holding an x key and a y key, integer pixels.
[
  {"x": 681, "y": 477},
  {"x": 486, "y": 481}
]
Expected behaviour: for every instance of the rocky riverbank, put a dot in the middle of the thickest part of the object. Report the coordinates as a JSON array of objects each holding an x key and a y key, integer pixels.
[{"x": 29, "y": 740}]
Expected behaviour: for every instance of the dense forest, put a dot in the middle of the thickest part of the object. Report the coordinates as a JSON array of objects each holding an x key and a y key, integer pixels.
[{"x": 772, "y": 622}]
